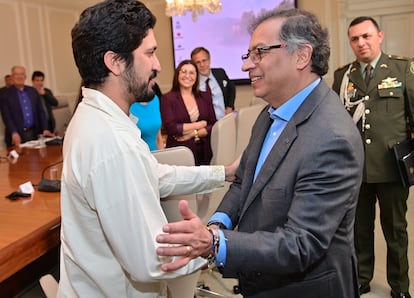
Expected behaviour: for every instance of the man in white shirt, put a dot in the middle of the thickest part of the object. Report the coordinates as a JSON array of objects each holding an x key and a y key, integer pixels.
[{"x": 111, "y": 184}]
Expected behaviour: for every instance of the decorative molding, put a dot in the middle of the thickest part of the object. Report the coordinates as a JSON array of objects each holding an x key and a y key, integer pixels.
[
  {"x": 34, "y": 62},
  {"x": 7, "y": 62},
  {"x": 71, "y": 15},
  {"x": 354, "y": 8}
]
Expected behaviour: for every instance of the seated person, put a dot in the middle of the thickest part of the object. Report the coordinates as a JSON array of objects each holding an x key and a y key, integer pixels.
[{"x": 188, "y": 114}]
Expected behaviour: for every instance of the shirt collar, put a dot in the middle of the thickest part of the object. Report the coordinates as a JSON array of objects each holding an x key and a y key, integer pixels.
[
  {"x": 204, "y": 78},
  {"x": 286, "y": 111},
  {"x": 373, "y": 63}
]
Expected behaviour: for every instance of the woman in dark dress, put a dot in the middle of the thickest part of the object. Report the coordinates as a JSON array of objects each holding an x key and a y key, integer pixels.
[{"x": 188, "y": 114}]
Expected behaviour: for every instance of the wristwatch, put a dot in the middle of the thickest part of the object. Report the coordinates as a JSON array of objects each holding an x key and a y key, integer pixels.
[{"x": 217, "y": 223}]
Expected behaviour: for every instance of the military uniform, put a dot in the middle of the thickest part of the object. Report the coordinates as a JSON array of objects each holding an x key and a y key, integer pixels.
[{"x": 381, "y": 111}]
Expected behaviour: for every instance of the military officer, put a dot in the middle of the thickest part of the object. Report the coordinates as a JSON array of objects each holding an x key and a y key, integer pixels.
[{"x": 378, "y": 91}]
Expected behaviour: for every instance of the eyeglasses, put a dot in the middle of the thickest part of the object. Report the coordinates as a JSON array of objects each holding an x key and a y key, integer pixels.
[
  {"x": 256, "y": 54},
  {"x": 190, "y": 72}
]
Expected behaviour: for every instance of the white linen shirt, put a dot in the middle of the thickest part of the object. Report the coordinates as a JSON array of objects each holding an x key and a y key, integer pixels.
[{"x": 110, "y": 206}]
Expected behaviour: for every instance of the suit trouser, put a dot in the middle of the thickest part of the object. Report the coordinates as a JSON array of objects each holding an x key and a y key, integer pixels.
[{"x": 392, "y": 199}]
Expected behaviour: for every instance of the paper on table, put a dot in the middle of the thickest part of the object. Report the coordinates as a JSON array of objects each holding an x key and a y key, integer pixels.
[{"x": 36, "y": 144}]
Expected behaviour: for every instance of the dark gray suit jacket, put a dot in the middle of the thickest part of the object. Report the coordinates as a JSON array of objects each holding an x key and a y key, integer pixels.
[{"x": 295, "y": 222}]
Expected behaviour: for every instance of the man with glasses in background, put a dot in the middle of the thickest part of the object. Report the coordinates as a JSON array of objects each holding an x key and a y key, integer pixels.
[{"x": 285, "y": 227}]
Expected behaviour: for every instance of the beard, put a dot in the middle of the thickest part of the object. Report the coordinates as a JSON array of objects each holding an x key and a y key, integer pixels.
[
  {"x": 147, "y": 96},
  {"x": 139, "y": 91}
]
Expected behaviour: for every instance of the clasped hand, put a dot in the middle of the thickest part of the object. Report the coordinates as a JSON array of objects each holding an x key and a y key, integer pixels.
[{"x": 189, "y": 237}]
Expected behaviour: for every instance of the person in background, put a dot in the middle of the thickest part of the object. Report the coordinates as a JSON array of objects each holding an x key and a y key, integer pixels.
[
  {"x": 222, "y": 89},
  {"x": 149, "y": 119},
  {"x": 111, "y": 183},
  {"x": 378, "y": 91},
  {"x": 187, "y": 113},
  {"x": 48, "y": 99},
  {"x": 285, "y": 226},
  {"x": 8, "y": 81},
  {"x": 22, "y": 111}
]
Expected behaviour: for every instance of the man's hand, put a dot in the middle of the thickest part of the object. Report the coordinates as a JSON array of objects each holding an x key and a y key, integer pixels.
[
  {"x": 16, "y": 140},
  {"x": 230, "y": 170},
  {"x": 48, "y": 133},
  {"x": 41, "y": 90},
  {"x": 189, "y": 237}
]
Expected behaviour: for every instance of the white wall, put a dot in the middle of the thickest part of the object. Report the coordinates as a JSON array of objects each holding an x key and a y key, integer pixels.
[{"x": 36, "y": 34}]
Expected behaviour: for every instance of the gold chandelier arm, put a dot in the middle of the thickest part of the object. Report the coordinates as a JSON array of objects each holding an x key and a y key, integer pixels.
[{"x": 196, "y": 7}]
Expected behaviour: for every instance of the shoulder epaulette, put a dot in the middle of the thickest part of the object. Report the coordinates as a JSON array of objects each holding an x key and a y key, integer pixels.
[{"x": 397, "y": 57}]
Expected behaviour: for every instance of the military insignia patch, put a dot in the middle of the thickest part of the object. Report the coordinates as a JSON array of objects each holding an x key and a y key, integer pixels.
[
  {"x": 412, "y": 67},
  {"x": 350, "y": 90},
  {"x": 389, "y": 83}
]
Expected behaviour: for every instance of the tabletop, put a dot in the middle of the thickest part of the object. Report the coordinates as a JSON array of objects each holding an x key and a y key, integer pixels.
[{"x": 29, "y": 227}]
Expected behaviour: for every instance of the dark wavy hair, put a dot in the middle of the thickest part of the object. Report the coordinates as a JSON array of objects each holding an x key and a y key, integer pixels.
[
  {"x": 176, "y": 84},
  {"x": 301, "y": 27},
  {"x": 37, "y": 73},
  {"x": 111, "y": 25}
]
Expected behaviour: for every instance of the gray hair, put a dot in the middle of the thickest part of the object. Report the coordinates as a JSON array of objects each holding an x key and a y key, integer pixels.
[{"x": 301, "y": 27}]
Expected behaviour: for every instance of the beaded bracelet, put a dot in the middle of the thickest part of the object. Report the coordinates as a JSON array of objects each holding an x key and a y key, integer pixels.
[{"x": 211, "y": 257}]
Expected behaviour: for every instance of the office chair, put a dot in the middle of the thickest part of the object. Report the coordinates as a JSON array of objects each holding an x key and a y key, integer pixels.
[
  {"x": 223, "y": 140},
  {"x": 49, "y": 285},
  {"x": 245, "y": 119},
  {"x": 223, "y": 146},
  {"x": 185, "y": 286}
]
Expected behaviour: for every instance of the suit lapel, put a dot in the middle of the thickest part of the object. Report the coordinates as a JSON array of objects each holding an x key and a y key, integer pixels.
[
  {"x": 355, "y": 76},
  {"x": 282, "y": 145},
  {"x": 263, "y": 122},
  {"x": 219, "y": 78},
  {"x": 381, "y": 70},
  {"x": 271, "y": 164}
]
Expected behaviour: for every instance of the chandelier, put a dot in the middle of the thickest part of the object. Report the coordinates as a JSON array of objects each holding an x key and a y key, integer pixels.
[{"x": 196, "y": 7}]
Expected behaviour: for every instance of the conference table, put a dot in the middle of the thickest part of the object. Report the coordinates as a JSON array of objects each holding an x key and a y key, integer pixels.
[{"x": 29, "y": 227}]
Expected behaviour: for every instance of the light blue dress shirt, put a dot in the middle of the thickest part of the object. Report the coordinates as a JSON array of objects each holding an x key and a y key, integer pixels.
[
  {"x": 281, "y": 116},
  {"x": 216, "y": 94}
]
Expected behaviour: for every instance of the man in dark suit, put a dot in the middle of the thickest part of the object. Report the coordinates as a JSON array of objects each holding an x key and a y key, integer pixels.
[
  {"x": 294, "y": 197},
  {"x": 222, "y": 89},
  {"x": 22, "y": 111},
  {"x": 380, "y": 99},
  {"x": 47, "y": 97}
]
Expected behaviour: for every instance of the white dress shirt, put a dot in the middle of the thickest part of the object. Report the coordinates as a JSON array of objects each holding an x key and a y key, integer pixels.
[{"x": 111, "y": 213}]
